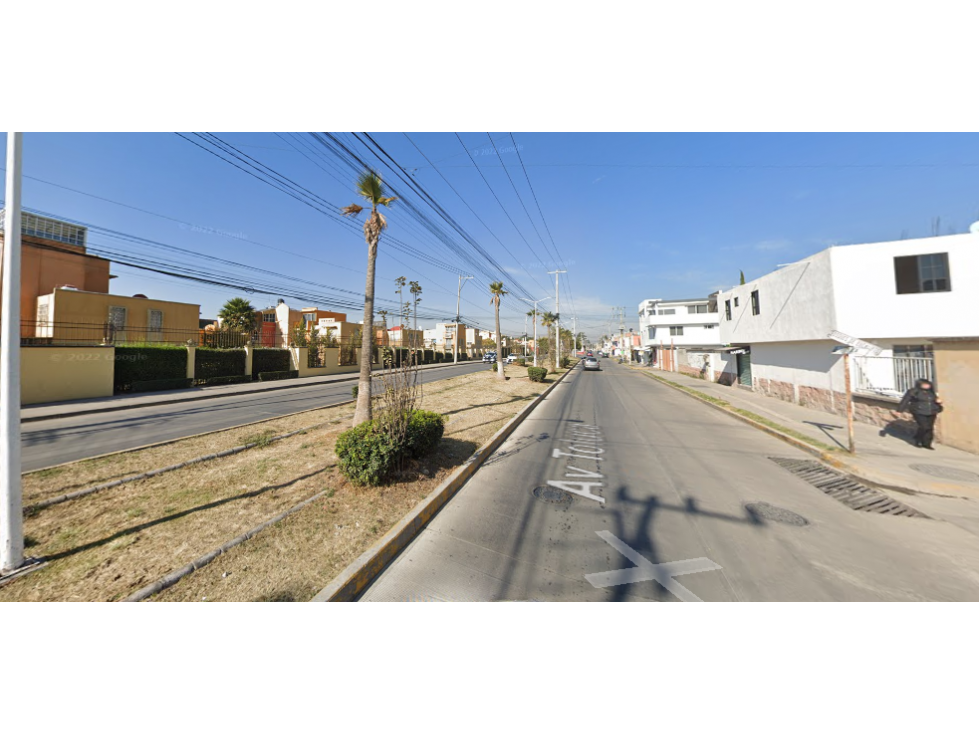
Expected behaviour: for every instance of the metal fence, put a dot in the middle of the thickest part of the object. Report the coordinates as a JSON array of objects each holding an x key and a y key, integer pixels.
[
  {"x": 62, "y": 333},
  {"x": 890, "y": 376}
]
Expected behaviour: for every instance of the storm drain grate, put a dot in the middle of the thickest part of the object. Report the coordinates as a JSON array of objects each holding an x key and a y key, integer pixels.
[{"x": 842, "y": 488}]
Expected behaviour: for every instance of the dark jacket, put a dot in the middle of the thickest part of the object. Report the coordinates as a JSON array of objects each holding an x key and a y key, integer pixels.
[{"x": 919, "y": 401}]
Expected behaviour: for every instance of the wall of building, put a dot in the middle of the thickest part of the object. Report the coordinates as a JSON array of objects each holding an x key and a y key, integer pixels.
[
  {"x": 957, "y": 368},
  {"x": 796, "y": 303},
  {"x": 81, "y": 307},
  {"x": 43, "y": 269},
  {"x": 55, "y": 374},
  {"x": 867, "y": 302}
]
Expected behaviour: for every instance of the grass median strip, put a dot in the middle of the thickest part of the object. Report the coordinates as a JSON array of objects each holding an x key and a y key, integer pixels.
[
  {"x": 746, "y": 413},
  {"x": 107, "y": 545}
]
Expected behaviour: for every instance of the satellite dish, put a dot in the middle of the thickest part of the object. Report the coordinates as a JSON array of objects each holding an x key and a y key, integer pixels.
[{"x": 974, "y": 228}]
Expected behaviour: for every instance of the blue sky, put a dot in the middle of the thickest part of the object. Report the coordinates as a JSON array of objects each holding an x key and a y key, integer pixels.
[{"x": 633, "y": 216}]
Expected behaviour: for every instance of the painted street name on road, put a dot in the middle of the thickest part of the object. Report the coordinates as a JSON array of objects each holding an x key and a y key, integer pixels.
[{"x": 585, "y": 444}]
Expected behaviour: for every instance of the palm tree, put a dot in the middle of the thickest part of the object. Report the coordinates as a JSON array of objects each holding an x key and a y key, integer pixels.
[
  {"x": 548, "y": 319},
  {"x": 370, "y": 187},
  {"x": 238, "y": 314},
  {"x": 415, "y": 291},
  {"x": 400, "y": 282},
  {"x": 496, "y": 288}
]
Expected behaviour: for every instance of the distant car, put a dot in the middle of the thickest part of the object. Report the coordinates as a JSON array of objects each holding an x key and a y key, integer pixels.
[
  {"x": 511, "y": 358},
  {"x": 590, "y": 363},
  {"x": 489, "y": 357},
  {"x": 589, "y": 354}
]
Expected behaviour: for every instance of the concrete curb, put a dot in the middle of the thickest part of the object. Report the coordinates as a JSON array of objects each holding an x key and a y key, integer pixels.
[
  {"x": 833, "y": 460},
  {"x": 362, "y": 572},
  {"x": 171, "y": 578},
  {"x": 194, "y": 398}
]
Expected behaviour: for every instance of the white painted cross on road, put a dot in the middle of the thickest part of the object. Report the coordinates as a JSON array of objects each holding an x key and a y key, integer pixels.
[{"x": 661, "y": 573}]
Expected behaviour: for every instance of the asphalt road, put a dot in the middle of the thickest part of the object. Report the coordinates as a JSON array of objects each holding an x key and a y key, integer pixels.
[
  {"x": 50, "y": 442},
  {"x": 648, "y": 501}
]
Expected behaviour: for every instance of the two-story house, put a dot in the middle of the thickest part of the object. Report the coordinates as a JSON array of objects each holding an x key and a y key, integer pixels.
[
  {"x": 898, "y": 296},
  {"x": 680, "y": 335}
]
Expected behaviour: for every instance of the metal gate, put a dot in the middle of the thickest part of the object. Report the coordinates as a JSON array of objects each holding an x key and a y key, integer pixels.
[{"x": 744, "y": 369}]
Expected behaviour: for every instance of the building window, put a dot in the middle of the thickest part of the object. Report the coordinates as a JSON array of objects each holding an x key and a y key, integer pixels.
[
  {"x": 155, "y": 320},
  {"x": 922, "y": 273},
  {"x": 727, "y": 310},
  {"x": 755, "y": 305},
  {"x": 676, "y": 331},
  {"x": 667, "y": 311},
  {"x": 309, "y": 317},
  {"x": 735, "y": 302},
  {"x": 697, "y": 309},
  {"x": 268, "y": 318},
  {"x": 117, "y": 317},
  {"x": 42, "y": 313},
  {"x": 652, "y": 332},
  {"x": 913, "y": 350}
]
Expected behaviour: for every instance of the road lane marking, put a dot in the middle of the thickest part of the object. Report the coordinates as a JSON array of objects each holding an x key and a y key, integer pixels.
[
  {"x": 645, "y": 570},
  {"x": 558, "y": 453},
  {"x": 582, "y": 489}
]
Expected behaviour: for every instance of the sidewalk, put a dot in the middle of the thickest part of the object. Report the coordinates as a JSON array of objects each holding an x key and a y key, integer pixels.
[
  {"x": 943, "y": 483},
  {"x": 48, "y": 411}
]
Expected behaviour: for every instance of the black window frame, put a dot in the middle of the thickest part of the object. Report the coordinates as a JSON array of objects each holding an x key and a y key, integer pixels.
[
  {"x": 727, "y": 310},
  {"x": 755, "y": 303},
  {"x": 910, "y": 273}
]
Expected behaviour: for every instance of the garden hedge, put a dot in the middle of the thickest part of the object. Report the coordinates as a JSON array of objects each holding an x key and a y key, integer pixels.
[
  {"x": 153, "y": 385},
  {"x": 210, "y": 363},
  {"x": 366, "y": 454},
  {"x": 537, "y": 374},
  {"x": 148, "y": 364},
  {"x": 278, "y": 375},
  {"x": 224, "y": 380},
  {"x": 265, "y": 359}
]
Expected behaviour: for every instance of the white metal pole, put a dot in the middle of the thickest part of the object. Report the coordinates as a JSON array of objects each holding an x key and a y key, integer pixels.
[
  {"x": 557, "y": 309},
  {"x": 11, "y": 509}
]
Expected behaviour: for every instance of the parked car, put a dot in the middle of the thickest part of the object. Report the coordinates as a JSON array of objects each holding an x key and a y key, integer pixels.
[
  {"x": 589, "y": 354},
  {"x": 590, "y": 363},
  {"x": 511, "y": 358},
  {"x": 489, "y": 357}
]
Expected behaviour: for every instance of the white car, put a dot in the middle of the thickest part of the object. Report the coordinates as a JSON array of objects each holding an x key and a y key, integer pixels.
[
  {"x": 590, "y": 363},
  {"x": 511, "y": 358}
]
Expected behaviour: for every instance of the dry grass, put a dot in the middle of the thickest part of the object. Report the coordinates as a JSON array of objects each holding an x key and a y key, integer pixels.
[{"x": 107, "y": 545}]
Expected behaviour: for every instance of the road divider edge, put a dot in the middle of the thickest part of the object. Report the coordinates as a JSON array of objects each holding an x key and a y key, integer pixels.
[{"x": 356, "y": 577}]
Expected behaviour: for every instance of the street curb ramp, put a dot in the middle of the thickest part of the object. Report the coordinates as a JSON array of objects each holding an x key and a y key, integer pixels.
[{"x": 362, "y": 572}]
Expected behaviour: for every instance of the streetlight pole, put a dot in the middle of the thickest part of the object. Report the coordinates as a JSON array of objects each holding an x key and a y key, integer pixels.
[
  {"x": 11, "y": 499},
  {"x": 539, "y": 300},
  {"x": 557, "y": 309},
  {"x": 455, "y": 340}
]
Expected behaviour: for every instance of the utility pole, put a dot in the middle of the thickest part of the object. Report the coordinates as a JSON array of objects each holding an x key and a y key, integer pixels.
[
  {"x": 539, "y": 300},
  {"x": 455, "y": 340},
  {"x": 621, "y": 310},
  {"x": 557, "y": 309},
  {"x": 11, "y": 500},
  {"x": 574, "y": 331}
]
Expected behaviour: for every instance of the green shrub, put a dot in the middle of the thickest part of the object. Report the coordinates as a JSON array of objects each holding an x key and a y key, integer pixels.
[
  {"x": 565, "y": 362},
  {"x": 269, "y": 360},
  {"x": 280, "y": 375},
  {"x": 536, "y": 374},
  {"x": 148, "y": 364},
  {"x": 355, "y": 390},
  {"x": 522, "y": 362},
  {"x": 209, "y": 363},
  {"x": 425, "y": 430},
  {"x": 153, "y": 385},
  {"x": 428, "y": 356},
  {"x": 366, "y": 454},
  {"x": 224, "y": 380}
]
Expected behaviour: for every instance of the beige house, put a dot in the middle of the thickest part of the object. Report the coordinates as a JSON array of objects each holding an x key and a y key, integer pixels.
[{"x": 956, "y": 380}]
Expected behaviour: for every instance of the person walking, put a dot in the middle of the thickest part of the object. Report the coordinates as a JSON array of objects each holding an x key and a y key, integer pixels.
[{"x": 925, "y": 405}]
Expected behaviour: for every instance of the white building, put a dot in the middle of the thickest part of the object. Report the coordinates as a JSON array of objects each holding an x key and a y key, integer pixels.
[
  {"x": 680, "y": 335},
  {"x": 896, "y": 295}
]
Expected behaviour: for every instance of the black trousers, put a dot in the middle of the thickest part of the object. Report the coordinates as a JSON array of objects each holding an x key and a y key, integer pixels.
[{"x": 926, "y": 429}]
